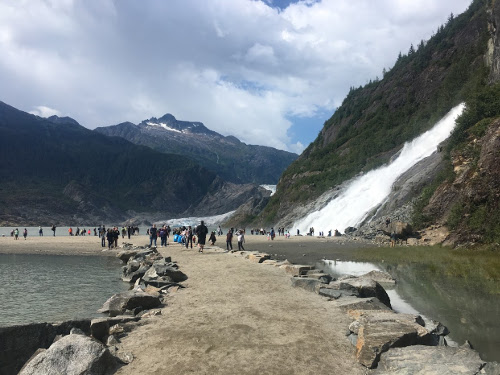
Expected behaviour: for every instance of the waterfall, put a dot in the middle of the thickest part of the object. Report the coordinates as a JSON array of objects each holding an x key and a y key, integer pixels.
[{"x": 369, "y": 191}]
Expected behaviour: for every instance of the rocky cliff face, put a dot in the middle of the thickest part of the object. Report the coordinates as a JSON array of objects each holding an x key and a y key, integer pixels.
[{"x": 469, "y": 204}]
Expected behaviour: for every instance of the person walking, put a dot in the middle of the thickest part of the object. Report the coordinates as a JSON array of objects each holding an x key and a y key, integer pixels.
[
  {"x": 25, "y": 233},
  {"x": 53, "y": 229},
  {"x": 201, "y": 233},
  {"x": 40, "y": 231},
  {"x": 110, "y": 237},
  {"x": 212, "y": 238},
  {"x": 241, "y": 239},
  {"x": 189, "y": 237},
  {"x": 102, "y": 234},
  {"x": 16, "y": 234},
  {"x": 152, "y": 235},
  {"x": 229, "y": 239}
]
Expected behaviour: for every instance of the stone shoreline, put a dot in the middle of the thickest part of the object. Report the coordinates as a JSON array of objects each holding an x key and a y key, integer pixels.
[{"x": 380, "y": 336}]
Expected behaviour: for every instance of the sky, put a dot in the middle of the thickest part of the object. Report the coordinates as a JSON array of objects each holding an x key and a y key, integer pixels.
[{"x": 269, "y": 72}]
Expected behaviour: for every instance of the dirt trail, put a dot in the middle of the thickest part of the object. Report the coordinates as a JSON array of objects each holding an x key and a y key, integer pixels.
[{"x": 239, "y": 317}]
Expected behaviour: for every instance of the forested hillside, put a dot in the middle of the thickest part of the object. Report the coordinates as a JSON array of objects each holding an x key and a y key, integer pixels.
[
  {"x": 56, "y": 171},
  {"x": 374, "y": 121}
]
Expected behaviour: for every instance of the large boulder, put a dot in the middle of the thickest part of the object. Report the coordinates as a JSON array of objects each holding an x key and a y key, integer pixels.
[
  {"x": 380, "y": 331},
  {"x": 99, "y": 327},
  {"x": 125, "y": 255},
  {"x": 129, "y": 300},
  {"x": 131, "y": 274},
  {"x": 72, "y": 355},
  {"x": 307, "y": 283},
  {"x": 402, "y": 229},
  {"x": 430, "y": 360},
  {"x": 166, "y": 270},
  {"x": 366, "y": 287}
]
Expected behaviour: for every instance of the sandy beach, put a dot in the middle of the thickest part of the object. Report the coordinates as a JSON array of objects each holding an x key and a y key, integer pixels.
[
  {"x": 297, "y": 249},
  {"x": 234, "y": 316}
]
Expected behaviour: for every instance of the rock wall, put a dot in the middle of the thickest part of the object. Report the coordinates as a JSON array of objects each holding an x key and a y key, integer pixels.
[{"x": 19, "y": 343}]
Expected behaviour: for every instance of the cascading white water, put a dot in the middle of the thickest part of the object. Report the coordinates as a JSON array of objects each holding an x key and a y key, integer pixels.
[{"x": 367, "y": 192}]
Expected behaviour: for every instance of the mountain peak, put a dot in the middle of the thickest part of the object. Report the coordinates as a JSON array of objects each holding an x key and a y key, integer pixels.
[{"x": 169, "y": 123}]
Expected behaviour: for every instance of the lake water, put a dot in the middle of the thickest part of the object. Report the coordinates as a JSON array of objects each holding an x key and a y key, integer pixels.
[
  {"x": 468, "y": 311},
  {"x": 49, "y": 288}
]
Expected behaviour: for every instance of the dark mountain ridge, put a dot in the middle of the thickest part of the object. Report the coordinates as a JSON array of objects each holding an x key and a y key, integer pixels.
[
  {"x": 227, "y": 156},
  {"x": 57, "y": 171}
]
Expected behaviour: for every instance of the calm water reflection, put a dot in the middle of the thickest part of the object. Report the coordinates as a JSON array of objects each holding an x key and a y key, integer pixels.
[{"x": 467, "y": 310}]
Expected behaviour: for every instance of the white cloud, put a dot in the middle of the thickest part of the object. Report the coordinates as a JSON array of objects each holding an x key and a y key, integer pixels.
[
  {"x": 240, "y": 66},
  {"x": 44, "y": 111}
]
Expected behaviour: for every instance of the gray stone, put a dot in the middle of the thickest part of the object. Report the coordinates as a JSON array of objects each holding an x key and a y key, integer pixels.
[
  {"x": 112, "y": 340},
  {"x": 125, "y": 255},
  {"x": 72, "y": 355},
  {"x": 18, "y": 343},
  {"x": 131, "y": 277},
  {"x": 76, "y": 331},
  {"x": 118, "y": 303},
  {"x": 332, "y": 293},
  {"x": 306, "y": 283},
  {"x": 429, "y": 360},
  {"x": 323, "y": 277},
  {"x": 381, "y": 330},
  {"x": 380, "y": 277},
  {"x": 161, "y": 269},
  {"x": 296, "y": 269},
  {"x": 99, "y": 327},
  {"x": 351, "y": 303},
  {"x": 367, "y": 287},
  {"x": 353, "y": 338},
  {"x": 437, "y": 328},
  {"x": 491, "y": 368}
]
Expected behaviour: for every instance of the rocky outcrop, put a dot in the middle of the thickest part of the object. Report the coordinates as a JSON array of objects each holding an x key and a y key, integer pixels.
[
  {"x": 72, "y": 355},
  {"x": 418, "y": 359}
]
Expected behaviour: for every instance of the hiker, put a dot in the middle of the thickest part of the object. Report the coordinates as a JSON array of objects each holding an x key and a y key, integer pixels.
[
  {"x": 229, "y": 239},
  {"x": 212, "y": 238},
  {"x": 201, "y": 232},
  {"x": 189, "y": 237},
  {"x": 152, "y": 235},
  {"x": 241, "y": 239}
]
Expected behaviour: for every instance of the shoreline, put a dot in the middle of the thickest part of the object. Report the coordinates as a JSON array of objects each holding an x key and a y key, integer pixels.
[
  {"x": 297, "y": 249},
  {"x": 214, "y": 301}
]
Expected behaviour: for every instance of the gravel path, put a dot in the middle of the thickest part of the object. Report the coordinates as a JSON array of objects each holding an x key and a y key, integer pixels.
[{"x": 240, "y": 317}]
